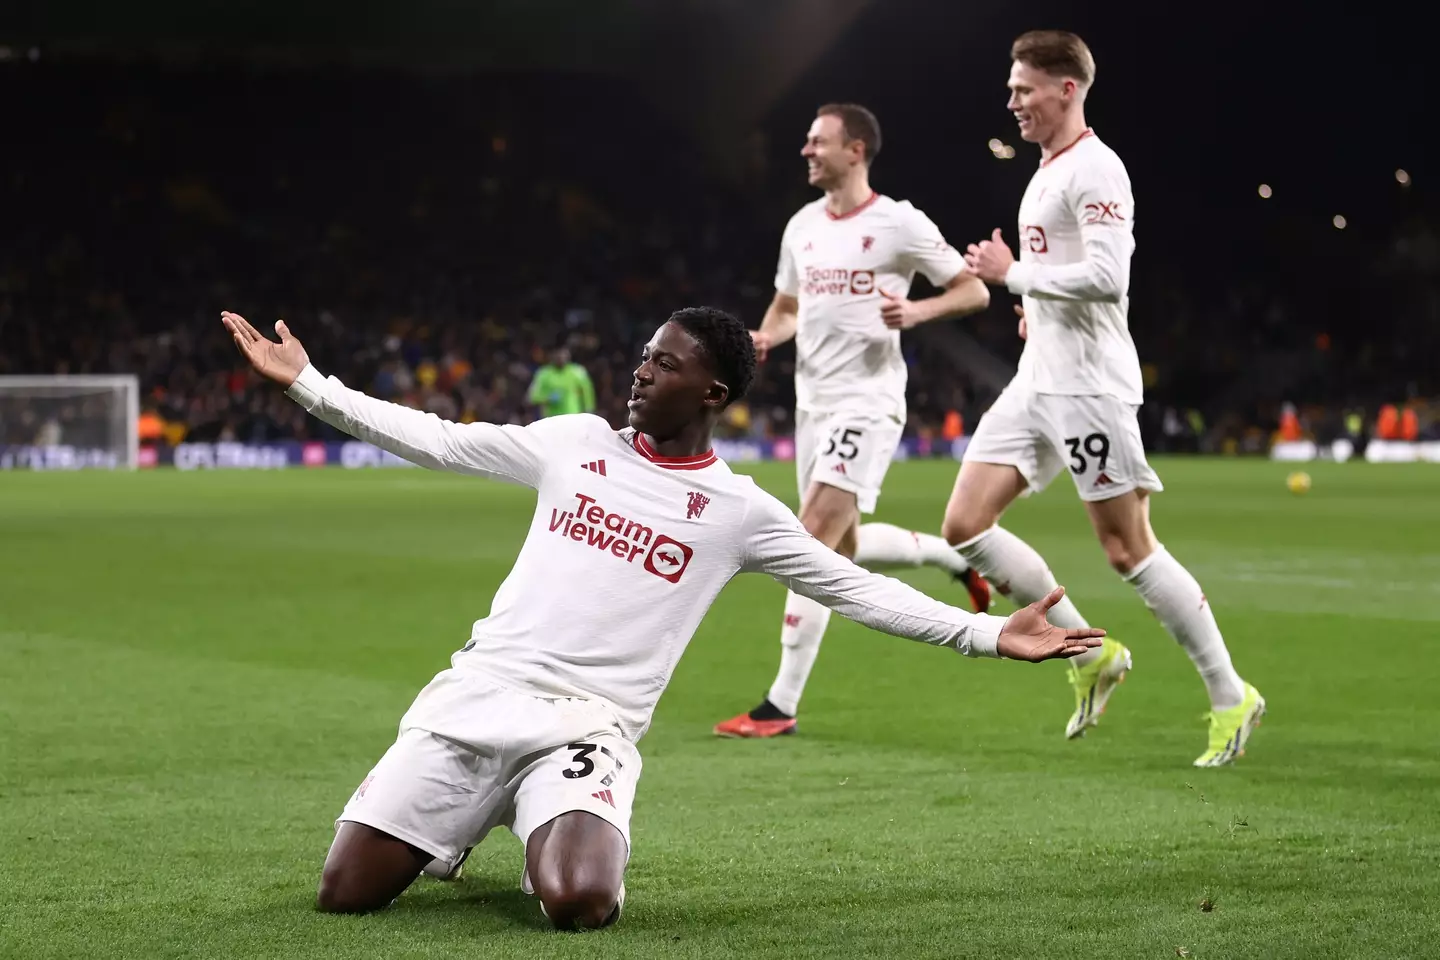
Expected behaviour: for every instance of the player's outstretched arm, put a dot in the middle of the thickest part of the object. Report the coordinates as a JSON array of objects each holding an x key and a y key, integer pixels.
[
  {"x": 777, "y": 544},
  {"x": 502, "y": 453}
]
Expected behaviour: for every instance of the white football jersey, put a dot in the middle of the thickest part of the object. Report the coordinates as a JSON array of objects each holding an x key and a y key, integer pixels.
[
  {"x": 846, "y": 358},
  {"x": 1077, "y": 223},
  {"x": 626, "y": 552}
]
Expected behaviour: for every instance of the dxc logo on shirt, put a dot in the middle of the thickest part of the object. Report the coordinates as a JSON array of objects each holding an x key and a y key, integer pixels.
[{"x": 622, "y": 538}]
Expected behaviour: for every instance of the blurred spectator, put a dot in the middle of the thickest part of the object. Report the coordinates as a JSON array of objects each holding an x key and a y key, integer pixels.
[
  {"x": 439, "y": 271},
  {"x": 562, "y": 386}
]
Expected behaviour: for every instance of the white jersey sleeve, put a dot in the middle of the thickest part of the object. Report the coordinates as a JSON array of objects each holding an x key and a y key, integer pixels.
[
  {"x": 1102, "y": 204},
  {"x": 776, "y": 543},
  {"x": 509, "y": 453},
  {"x": 923, "y": 248},
  {"x": 787, "y": 275}
]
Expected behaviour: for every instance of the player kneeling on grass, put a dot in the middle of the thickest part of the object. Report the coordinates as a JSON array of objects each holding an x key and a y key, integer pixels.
[{"x": 635, "y": 532}]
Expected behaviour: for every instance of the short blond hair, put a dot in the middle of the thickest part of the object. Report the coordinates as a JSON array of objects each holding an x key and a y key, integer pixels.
[{"x": 1058, "y": 53}]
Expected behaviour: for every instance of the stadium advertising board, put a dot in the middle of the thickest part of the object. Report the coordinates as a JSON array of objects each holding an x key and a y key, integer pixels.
[{"x": 350, "y": 455}]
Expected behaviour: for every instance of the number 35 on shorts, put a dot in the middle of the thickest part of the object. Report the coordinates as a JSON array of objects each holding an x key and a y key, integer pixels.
[
  {"x": 842, "y": 443},
  {"x": 1091, "y": 449}
]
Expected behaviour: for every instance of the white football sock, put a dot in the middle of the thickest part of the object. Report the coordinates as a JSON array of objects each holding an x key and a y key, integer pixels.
[
  {"x": 1179, "y": 604},
  {"x": 800, "y": 638},
  {"x": 883, "y": 546},
  {"x": 1014, "y": 568}
]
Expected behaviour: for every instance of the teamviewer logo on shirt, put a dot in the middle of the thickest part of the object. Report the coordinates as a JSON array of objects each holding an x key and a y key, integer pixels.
[
  {"x": 668, "y": 558},
  {"x": 838, "y": 281},
  {"x": 622, "y": 538}
]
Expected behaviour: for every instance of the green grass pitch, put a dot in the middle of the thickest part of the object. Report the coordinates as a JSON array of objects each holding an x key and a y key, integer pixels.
[{"x": 197, "y": 669}]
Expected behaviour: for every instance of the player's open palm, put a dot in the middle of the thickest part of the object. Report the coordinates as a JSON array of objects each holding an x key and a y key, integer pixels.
[
  {"x": 281, "y": 362},
  {"x": 1029, "y": 636}
]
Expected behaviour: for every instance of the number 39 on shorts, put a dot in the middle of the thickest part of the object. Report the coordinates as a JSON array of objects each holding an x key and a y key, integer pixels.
[
  {"x": 842, "y": 441},
  {"x": 1096, "y": 445}
]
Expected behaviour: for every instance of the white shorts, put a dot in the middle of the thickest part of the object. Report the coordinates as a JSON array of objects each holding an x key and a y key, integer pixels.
[
  {"x": 1040, "y": 434},
  {"x": 850, "y": 451},
  {"x": 472, "y": 755}
]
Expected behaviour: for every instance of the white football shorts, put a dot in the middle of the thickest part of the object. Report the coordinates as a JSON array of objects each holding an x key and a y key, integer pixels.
[
  {"x": 1097, "y": 438},
  {"x": 472, "y": 755},
  {"x": 848, "y": 450}
]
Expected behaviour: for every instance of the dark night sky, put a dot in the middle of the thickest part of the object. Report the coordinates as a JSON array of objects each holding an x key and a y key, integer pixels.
[
  {"x": 1203, "y": 108},
  {"x": 1203, "y": 103}
]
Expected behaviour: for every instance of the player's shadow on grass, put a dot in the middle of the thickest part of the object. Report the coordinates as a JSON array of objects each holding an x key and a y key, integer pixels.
[{"x": 480, "y": 898}]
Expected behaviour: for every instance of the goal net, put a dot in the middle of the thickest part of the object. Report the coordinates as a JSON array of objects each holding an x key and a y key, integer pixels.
[{"x": 66, "y": 422}]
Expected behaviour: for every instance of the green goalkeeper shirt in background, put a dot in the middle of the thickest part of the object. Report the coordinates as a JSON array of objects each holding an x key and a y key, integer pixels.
[{"x": 566, "y": 389}]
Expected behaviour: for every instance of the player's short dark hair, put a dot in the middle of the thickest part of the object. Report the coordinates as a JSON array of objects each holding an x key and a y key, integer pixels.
[
  {"x": 725, "y": 341},
  {"x": 1057, "y": 52},
  {"x": 858, "y": 123}
]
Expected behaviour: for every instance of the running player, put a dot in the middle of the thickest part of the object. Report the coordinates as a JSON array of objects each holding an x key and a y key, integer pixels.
[
  {"x": 841, "y": 291},
  {"x": 1075, "y": 399}
]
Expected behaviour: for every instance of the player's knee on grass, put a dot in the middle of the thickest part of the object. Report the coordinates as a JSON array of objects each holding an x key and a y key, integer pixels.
[
  {"x": 579, "y": 902},
  {"x": 366, "y": 870},
  {"x": 344, "y": 889},
  {"x": 577, "y": 864}
]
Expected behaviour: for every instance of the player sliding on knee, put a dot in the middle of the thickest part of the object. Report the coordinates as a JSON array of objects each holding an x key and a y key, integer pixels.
[
  {"x": 1074, "y": 401},
  {"x": 533, "y": 726},
  {"x": 841, "y": 292}
]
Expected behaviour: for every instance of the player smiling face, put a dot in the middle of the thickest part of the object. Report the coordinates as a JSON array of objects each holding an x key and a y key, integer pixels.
[
  {"x": 1039, "y": 101},
  {"x": 828, "y": 154},
  {"x": 674, "y": 386}
]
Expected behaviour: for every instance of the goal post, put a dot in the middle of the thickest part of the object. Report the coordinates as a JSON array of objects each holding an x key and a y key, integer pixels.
[{"x": 70, "y": 421}]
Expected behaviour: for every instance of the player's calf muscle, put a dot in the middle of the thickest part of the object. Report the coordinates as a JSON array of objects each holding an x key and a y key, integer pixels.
[
  {"x": 1122, "y": 555},
  {"x": 1122, "y": 525}
]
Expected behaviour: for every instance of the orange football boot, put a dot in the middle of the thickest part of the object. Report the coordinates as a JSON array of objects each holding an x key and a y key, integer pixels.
[
  {"x": 746, "y": 727},
  {"x": 978, "y": 588}
]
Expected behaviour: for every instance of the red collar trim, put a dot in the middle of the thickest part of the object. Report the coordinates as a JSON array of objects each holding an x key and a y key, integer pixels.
[
  {"x": 697, "y": 462},
  {"x": 1062, "y": 151},
  {"x": 857, "y": 211}
]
